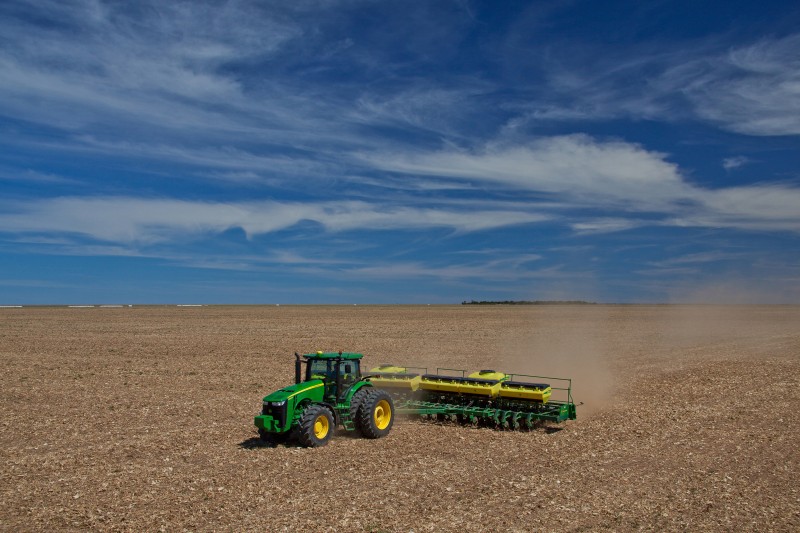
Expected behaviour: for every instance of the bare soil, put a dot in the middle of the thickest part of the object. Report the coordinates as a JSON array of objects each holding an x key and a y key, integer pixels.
[{"x": 141, "y": 419}]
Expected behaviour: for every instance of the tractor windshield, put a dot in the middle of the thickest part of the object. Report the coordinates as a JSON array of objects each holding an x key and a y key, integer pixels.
[{"x": 321, "y": 369}]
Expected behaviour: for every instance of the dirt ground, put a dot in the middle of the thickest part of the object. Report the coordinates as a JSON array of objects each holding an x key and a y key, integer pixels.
[{"x": 141, "y": 419}]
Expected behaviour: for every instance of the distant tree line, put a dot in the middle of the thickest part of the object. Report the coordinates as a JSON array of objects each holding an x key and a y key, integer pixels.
[{"x": 527, "y": 302}]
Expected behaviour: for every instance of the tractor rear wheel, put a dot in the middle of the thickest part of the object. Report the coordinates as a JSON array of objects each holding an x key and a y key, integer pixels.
[
  {"x": 376, "y": 414},
  {"x": 355, "y": 404},
  {"x": 316, "y": 426}
]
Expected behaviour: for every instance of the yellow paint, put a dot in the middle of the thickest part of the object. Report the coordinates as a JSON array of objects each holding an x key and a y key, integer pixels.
[
  {"x": 475, "y": 388},
  {"x": 446, "y": 384},
  {"x": 292, "y": 395},
  {"x": 399, "y": 382},
  {"x": 382, "y": 414},
  {"x": 527, "y": 393},
  {"x": 321, "y": 427},
  {"x": 391, "y": 369},
  {"x": 488, "y": 375},
  {"x": 443, "y": 385}
]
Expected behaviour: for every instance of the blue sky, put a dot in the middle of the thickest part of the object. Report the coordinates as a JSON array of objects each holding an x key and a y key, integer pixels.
[{"x": 399, "y": 152}]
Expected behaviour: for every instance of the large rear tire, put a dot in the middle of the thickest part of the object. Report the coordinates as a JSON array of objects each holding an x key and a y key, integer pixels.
[
  {"x": 316, "y": 426},
  {"x": 355, "y": 404},
  {"x": 376, "y": 414}
]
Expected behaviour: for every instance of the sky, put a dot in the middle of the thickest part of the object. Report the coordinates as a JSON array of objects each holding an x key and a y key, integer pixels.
[{"x": 399, "y": 152}]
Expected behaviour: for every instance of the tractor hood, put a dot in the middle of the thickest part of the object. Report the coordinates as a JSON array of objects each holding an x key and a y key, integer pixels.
[{"x": 291, "y": 391}]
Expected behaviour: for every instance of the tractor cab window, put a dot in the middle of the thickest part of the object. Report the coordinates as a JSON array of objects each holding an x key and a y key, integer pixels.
[
  {"x": 320, "y": 369},
  {"x": 349, "y": 372}
]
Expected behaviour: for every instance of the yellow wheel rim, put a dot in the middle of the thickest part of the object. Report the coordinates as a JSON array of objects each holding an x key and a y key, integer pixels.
[
  {"x": 321, "y": 427},
  {"x": 383, "y": 414}
]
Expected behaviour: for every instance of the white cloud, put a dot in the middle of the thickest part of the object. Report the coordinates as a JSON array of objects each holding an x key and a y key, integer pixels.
[
  {"x": 575, "y": 166},
  {"x": 696, "y": 258},
  {"x": 605, "y": 225},
  {"x": 757, "y": 207},
  {"x": 730, "y": 163},
  {"x": 156, "y": 70},
  {"x": 33, "y": 176},
  {"x": 243, "y": 164},
  {"x": 443, "y": 111},
  {"x": 613, "y": 176},
  {"x": 137, "y": 220},
  {"x": 753, "y": 89},
  {"x": 488, "y": 271}
]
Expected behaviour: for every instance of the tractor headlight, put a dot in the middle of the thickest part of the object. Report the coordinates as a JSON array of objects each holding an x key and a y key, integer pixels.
[{"x": 276, "y": 410}]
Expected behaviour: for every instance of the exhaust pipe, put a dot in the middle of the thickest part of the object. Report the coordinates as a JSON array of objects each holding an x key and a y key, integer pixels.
[{"x": 297, "y": 369}]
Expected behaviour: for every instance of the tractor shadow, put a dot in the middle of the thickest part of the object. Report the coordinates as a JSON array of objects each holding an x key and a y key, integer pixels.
[
  {"x": 255, "y": 443},
  {"x": 344, "y": 434}
]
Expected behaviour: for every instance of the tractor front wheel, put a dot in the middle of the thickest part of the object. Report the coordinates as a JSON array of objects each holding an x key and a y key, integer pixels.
[
  {"x": 376, "y": 414},
  {"x": 316, "y": 426}
]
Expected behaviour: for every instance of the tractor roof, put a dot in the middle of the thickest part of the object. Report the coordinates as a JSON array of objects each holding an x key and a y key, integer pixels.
[{"x": 333, "y": 355}]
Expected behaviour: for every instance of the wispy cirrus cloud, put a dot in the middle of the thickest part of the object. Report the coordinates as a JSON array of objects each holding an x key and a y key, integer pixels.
[
  {"x": 605, "y": 225},
  {"x": 160, "y": 72},
  {"x": 730, "y": 163},
  {"x": 132, "y": 220},
  {"x": 701, "y": 257},
  {"x": 482, "y": 271},
  {"x": 753, "y": 89},
  {"x": 33, "y": 176}
]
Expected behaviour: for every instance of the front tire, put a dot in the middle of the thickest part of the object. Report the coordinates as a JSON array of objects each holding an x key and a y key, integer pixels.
[
  {"x": 316, "y": 426},
  {"x": 376, "y": 414}
]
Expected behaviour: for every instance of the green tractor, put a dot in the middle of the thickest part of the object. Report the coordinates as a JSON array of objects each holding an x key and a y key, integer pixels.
[{"x": 331, "y": 392}]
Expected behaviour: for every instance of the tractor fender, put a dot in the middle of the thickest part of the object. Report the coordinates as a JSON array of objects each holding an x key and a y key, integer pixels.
[
  {"x": 354, "y": 388},
  {"x": 336, "y": 420},
  {"x": 305, "y": 404}
]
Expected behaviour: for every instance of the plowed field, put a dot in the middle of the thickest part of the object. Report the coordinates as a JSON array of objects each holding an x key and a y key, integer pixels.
[{"x": 141, "y": 419}]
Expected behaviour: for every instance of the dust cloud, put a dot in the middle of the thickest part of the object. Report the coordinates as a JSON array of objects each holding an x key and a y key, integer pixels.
[
  {"x": 738, "y": 290},
  {"x": 572, "y": 350}
]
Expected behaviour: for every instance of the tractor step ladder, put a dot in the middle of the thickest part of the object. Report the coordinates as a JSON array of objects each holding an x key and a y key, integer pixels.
[{"x": 344, "y": 416}]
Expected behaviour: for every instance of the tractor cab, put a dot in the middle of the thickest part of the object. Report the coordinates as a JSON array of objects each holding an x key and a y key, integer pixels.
[{"x": 338, "y": 371}]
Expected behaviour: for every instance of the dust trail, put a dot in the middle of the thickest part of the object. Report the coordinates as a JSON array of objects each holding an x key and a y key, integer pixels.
[
  {"x": 737, "y": 289},
  {"x": 571, "y": 350}
]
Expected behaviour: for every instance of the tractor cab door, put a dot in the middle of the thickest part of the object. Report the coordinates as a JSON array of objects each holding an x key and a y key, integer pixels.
[
  {"x": 350, "y": 373},
  {"x": 325, "y": 370}
]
